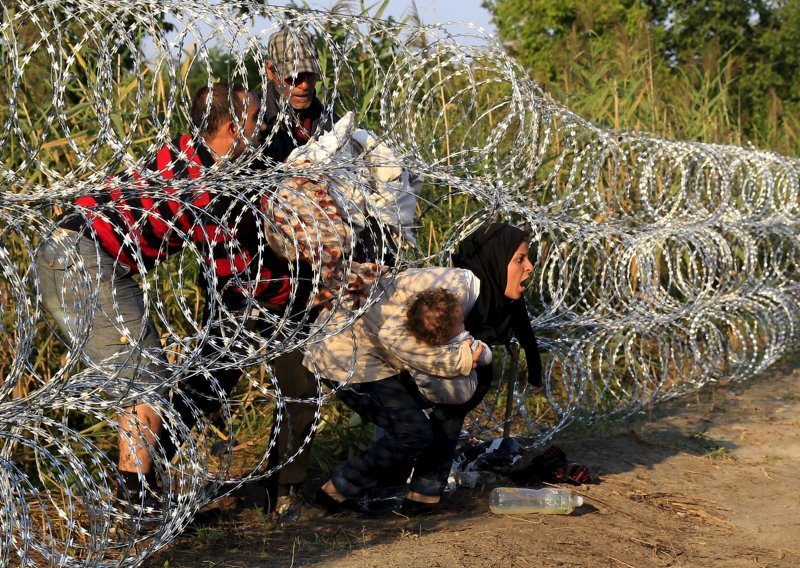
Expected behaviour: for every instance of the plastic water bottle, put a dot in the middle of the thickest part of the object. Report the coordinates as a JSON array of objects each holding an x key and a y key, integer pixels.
[{"x": 547, "y": 501}]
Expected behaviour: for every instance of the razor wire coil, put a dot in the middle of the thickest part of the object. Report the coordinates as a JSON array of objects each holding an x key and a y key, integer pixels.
[{"x": 661, "y": 266}]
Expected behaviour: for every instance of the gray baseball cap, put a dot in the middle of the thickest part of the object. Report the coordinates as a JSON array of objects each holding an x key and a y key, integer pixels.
[{"x": 293, "y": 52}]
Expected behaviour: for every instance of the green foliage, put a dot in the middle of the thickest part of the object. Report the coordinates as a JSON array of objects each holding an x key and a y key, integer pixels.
[
  {"x": 219, "y": 67},
  {"x": 711, "y": 70},
  {"x": 544, "y": 36},
  {"x": 690, "y": 27}
]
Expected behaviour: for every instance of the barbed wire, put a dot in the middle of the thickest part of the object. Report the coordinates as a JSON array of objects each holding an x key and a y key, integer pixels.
[{"x": 661, "y": 266}]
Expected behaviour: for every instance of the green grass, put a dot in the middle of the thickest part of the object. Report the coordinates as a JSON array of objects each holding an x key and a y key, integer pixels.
[
  {"x": 210, "y": 536},
  {"x": 708, "y": 447}
]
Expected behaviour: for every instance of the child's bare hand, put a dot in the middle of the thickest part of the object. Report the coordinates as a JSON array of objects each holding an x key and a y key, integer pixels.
[{"x": 476, "y": 355}]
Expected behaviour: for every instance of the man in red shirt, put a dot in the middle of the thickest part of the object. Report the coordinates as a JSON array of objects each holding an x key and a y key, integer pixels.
[{"x": 86, "y": 268}]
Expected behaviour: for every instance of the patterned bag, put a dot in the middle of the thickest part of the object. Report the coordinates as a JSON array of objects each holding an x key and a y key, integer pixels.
[{"x": 309, "y": 226}]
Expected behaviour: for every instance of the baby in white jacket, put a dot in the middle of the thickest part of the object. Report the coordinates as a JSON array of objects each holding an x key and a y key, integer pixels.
[{"x": 435, "y": 317}]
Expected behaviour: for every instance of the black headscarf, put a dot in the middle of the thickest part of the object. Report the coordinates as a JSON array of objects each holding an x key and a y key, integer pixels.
[{"x": 486, "y": 252}]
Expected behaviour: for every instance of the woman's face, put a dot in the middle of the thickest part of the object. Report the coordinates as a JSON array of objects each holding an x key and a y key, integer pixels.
[{"x": 519, "y": 270}]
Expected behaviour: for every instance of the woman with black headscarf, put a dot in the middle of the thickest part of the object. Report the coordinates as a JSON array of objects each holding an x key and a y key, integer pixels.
[
  {"x": 497, "y": 254},
  {"x": 495, "y": 257}
]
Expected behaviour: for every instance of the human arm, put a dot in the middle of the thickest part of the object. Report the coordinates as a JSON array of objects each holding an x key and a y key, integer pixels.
[
  {"x": 451, "y": 360},
  {"x": 482, "y": 354},
  {"x": 523, "y": 331},
  {"x": 439, "y": 360}
]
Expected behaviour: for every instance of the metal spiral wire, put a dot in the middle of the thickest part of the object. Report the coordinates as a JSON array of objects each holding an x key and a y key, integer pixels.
[{"x": 661, "y": 266}]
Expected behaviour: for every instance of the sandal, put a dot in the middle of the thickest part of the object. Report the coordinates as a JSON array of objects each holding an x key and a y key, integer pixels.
[{"x": 411, "y": 508}]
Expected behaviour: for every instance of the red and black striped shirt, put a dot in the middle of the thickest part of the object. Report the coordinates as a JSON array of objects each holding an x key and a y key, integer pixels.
[{"x": 142, "y": 219}]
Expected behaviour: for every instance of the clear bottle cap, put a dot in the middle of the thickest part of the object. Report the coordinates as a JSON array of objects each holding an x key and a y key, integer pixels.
[{"x": 578, "y": 500}]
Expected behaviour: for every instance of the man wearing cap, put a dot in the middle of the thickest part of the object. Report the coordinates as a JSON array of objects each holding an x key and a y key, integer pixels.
[{"x": 293, "y": 114}]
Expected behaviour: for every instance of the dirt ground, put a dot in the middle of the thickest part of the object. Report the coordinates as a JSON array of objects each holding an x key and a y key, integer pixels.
[{"x": 709, "y": 480}]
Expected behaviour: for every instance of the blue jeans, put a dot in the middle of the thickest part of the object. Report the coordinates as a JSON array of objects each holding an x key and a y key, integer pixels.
[
  {"x": 411, "y": 439},
  {"x": 423, "y": 440},
  {"x": 100, "y": 310}
]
